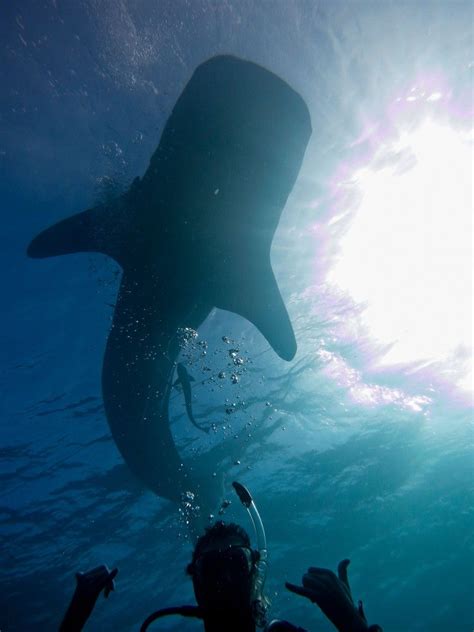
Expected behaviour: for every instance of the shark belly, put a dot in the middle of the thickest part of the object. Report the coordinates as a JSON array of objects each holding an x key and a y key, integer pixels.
[{"x": 139, "y": 362}]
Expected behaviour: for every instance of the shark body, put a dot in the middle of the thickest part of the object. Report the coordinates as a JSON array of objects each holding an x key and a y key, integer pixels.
[{"x": 192, "y": 234}]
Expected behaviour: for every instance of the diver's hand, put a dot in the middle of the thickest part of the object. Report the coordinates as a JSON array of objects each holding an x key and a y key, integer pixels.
[
  {"x": 88, "y": 588},
  {"x": 333, "y": 595},
  {"x": 92, "y": 583}
]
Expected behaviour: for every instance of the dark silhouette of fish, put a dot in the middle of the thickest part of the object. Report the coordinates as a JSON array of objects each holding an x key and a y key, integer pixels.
[
  {"x": 184, "y": 380},
  {"x": 193, "y": 234}
]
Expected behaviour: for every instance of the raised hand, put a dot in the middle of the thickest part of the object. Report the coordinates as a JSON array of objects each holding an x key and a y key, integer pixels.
[
  {"x": 91, "y": 583},
  {"x": 88, "y": 588},
  {"x": 332, "y": 594}
]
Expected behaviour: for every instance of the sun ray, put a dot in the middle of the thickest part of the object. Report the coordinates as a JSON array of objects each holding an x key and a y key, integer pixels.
[{"x": 407, "y": 254}]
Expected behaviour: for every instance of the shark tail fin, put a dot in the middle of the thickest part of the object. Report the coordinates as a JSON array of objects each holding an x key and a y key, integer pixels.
[{"x": 90, "y": 231}]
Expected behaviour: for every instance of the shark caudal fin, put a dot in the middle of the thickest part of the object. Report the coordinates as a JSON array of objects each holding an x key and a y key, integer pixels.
[
  {"x": 258, "y": 299},
  {"x": 95, "y": 230}
]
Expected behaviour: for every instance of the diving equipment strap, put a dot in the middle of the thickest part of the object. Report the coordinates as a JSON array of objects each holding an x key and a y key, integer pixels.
[{"x": 183, "y": 611}]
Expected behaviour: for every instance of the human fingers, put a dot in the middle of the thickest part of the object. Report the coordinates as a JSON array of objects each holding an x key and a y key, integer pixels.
[
  {"x": 299, "y": 590},
  {"x": 110, "y": 585},
  {"x": 342, "y": 571},
  {"x": 319, "y": 577},
  {"x": 344, "y": 578},
  {"x": 315, "y": 571}
]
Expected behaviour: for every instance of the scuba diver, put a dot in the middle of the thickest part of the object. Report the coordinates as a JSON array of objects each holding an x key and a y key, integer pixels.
[{"x": 228, "y": 578}]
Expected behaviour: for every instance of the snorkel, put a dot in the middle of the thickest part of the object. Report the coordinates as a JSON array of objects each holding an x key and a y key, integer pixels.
[
  {"x": 260, "y": 572},
  {"x": 260, "y": 566}
]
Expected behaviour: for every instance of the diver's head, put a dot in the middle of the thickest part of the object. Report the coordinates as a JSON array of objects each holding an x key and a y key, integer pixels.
[{"x": 223, "y": 570}]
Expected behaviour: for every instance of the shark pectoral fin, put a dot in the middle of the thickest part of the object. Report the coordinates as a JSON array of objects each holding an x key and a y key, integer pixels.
[
  {"x": 90, "y": 231},
  {"x": 176, "y": 383},
  {"x": 191, "y": 379},
  {"x": 258, "y": 299}
]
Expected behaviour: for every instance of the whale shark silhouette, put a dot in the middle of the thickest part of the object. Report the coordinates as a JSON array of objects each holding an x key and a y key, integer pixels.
[{"x": 193, "y": 234}]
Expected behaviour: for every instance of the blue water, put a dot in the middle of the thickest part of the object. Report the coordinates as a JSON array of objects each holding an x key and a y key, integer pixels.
[{"x": 86, "y": 89}]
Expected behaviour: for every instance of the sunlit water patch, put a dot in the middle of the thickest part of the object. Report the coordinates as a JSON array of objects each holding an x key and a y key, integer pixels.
[{"x": 407, "y": 253}]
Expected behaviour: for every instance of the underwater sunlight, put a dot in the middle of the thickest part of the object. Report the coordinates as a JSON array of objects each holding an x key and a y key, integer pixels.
[{"x": 407, "y": 253}]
